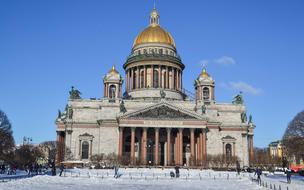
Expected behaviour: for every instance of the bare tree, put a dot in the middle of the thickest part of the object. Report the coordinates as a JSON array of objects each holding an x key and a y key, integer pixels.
[
  {"x": 293, "y": 139},
  {"x": 97, "y": 159},
  {"x": 27, "y": 154},
  {"x": 221, "y": 161},
  {"x": 7, "y": 143},
  {"x": 53, "y": 147}
]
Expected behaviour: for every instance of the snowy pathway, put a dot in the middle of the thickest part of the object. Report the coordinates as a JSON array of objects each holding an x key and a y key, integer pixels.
[{"x": 136, "y": 179}]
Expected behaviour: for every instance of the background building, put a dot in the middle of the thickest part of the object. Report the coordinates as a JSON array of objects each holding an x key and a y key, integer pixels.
[{"x": 276, "y": 149}]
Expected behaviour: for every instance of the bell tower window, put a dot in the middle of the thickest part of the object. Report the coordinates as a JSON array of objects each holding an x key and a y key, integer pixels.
[
  {"x": 206, "y": 93},
  {"x": 112, "y": 91}
]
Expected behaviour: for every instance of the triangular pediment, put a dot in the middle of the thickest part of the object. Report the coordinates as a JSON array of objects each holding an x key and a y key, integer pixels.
[{"x": 163, "y": 110}]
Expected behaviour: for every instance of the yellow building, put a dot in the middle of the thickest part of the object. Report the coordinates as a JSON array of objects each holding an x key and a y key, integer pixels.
[{"x": 275, "y": 149}]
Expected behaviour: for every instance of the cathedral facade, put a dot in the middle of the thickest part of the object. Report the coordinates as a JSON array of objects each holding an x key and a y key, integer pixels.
[{"x": 155, "y": 121}]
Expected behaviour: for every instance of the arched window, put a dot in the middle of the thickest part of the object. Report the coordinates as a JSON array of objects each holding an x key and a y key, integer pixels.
[
  {"x": 142, "y": 78},
  {"x": 206, "y": 93},
  {"x": 155, "y": 79},
  {"x": 85, "y": 150},
  {"x": 228, "y": 151},
  {"x": 112, "y": 91}
]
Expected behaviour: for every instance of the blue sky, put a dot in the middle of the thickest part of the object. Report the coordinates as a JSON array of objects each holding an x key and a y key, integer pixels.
[{"x": 47, "y": 46}]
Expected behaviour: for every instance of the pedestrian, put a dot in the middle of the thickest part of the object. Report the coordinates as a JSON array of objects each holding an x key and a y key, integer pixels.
[
  {"x": 2, "y": 169},
  {"x": 61, "y": 168},
  {"x": 288, "y": 175},
  {"x": 177, "y": 171},
  {"x": 53, "y": 168},
  {"x": 172, "y": 174},
  {"x": 238, "y": 167},
  {"x": 116, "y": 168},
  {"x": 30, "y": 169},
  {"x": 258, "y": 172}
]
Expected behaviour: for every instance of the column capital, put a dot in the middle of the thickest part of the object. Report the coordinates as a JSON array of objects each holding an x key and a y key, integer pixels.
[
  {"x": 133, "y": 129},
  {"x": 156, "y": 129},
  {"x": 169, "y": 129},
  {"x": 180, "y": 129},
  {"x": 204, "y": 130}
]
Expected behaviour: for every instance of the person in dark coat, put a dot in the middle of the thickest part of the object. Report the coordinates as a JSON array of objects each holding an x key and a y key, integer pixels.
[
  {"x": 258, "y": 172},
  {"x": 61, "y": 168},
  {"x": 177, "y": 171},
  {"x": 2, "y": 169},
  {"x": 53, "y": 168},
  {"x": 172, "y": 174},
  {"x": 288, "y": 175},
  {"x": 238, "y": 167}
]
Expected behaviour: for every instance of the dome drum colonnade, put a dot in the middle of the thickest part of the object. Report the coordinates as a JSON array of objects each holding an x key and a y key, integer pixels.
[{"x": 165, "y": 75}]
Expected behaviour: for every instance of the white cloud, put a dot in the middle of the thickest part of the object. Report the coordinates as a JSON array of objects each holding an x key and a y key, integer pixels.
[
  {"x": 225, "y": 60},
  {"x": 242, "y": 86}
]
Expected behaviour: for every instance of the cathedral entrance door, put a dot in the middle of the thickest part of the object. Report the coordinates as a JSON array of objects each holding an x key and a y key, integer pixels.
[{"x": 162, "y": 153}]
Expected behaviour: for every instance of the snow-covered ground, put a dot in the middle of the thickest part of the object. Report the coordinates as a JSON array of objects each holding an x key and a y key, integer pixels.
[{"x": 146, "y": 179}]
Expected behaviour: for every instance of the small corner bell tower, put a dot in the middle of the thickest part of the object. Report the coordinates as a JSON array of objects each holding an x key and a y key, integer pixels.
[
  {"x": 113, "y": 84},
  {"x": 204, "y": 87}
]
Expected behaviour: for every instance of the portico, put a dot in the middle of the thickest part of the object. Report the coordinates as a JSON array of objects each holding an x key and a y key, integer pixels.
[{"x": 162, "y": 135}]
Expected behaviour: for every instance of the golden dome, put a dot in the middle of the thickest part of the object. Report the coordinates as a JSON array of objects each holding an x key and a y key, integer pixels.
[
  {"x": 204, "y": 74},
  {"x": 113, "y": 71},
  {"x": 154, "y": 33}
]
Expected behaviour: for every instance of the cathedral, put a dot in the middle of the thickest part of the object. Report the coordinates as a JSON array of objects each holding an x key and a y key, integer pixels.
[{"x": 155, "y": 121}]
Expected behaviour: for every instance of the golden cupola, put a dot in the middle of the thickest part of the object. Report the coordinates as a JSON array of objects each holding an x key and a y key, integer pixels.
[
  {"x": 204, "y": 87},
  {"x": 154, "y": 33},
  {"x": 204, "y": 74},
  {"x": 112, "y": 75},
  {"x": 112, "y": 84}
]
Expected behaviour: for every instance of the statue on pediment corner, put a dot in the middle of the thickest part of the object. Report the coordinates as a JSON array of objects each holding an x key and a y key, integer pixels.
[
  {"x": 74, "y": 93},
  {"x": 122, "y": 107},
  {"x": 244, "y": 117},
  {"x": 238, "y": 99}
]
